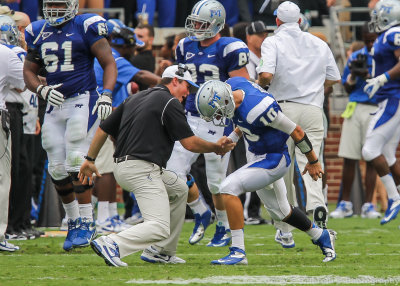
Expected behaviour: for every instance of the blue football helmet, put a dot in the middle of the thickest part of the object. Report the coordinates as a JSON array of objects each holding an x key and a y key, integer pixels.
[
  {"x": 57, "y": 16},
  {"x": 9, "y": 33},
  {"x": 206, "y": 20}
]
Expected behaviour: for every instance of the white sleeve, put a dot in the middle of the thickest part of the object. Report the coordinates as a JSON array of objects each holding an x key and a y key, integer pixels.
[
  {"x": 268, "y": 56},
  {"x": 332, "y": 71},
  {"x": 283, "y": 123},
  {"x": 15, "y": 75}
]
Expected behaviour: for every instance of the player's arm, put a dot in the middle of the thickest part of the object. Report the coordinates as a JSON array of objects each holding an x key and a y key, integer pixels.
[
  {"x": 197, "y": 145},
  {"x": 102, "y": 51},
  {"x": 283, "y": 123},
  {"x": 394, "y": 72},
  {"x": 265, "y": 79},
  {"x": 31, "y": 71},
  {"x": 235, "y": 135},
  {"x": 146, "y": 78}
]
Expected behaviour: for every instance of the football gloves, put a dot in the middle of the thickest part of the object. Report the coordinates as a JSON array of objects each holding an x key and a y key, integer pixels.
[
  {"x": 375, "y": 83},
  {"x": 103, "y": 105},
  {"x": 50, "y": 94}
]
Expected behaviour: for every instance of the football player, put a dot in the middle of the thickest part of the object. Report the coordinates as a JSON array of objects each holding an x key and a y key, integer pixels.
[
  {"x": 208, "y": 56},
  {"x": 383, "y": 133},
  {"x": 266, "y": 129},
  {"x": 65, "y": 44}
]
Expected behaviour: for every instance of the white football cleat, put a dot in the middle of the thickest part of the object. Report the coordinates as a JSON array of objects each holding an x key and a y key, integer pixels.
[
  {"x": 106, "y": 248},
  {"x": 368, "y": 211},
  {"x": 152, "y": 255},
  {"x": 284, "y": 239},
  {"x": 7, "y": 246},
  {"x": 344, "y": 209}
]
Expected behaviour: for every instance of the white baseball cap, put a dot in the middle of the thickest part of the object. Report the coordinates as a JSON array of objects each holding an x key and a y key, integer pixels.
[
  {"x": 288, "y": 12},
  {"x": 181, "y": 72}
]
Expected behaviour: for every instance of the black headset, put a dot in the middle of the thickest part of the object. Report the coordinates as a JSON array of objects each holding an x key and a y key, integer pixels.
[{"x": 182, "y": 68}]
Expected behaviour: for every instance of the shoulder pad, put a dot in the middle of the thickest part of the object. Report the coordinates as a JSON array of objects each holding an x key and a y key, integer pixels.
[
  {"x": 89, "y": 19},
  {"x": 227, "y": 45}
]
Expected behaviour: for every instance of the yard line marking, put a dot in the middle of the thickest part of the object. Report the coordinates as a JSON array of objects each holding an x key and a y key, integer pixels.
[{"x": 277, "y": 280}]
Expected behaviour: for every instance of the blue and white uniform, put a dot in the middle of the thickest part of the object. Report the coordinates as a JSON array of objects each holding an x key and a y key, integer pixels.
[
  {"x": 383, "y": 133},
  {"x": 257, "y": 118},
  {"x": 66, "y": 53},
  {"x": 206, "y": 63}
]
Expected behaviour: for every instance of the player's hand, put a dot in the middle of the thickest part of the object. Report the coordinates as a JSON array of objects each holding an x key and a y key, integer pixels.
[
  {"x": 103, "y": 105},
  {"x": 50, "y": 94},
  {"x": 225, "y": 145},
  {"x": 315, "y": 170},
  {"x": 375, "y": 83},
  {"x": 86, "y": 172}
]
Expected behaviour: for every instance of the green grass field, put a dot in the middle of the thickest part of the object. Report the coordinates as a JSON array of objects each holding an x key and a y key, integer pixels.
[{"x": 367, "y": 253}]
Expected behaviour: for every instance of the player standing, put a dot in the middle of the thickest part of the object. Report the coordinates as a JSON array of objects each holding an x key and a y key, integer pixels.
[
  {"x": 208, "y": 56},
  {"x": 65, "y": 45}
]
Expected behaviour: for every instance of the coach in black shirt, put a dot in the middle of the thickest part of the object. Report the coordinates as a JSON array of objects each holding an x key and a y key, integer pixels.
[{"x": 145, "y": 127}]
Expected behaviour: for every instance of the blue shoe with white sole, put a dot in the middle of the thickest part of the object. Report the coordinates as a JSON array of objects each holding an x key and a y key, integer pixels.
[{"x": 235, "y": 257}]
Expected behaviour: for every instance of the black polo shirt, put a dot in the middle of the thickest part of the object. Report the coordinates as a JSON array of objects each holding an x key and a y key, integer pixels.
[{"x": 147, "y": 124}]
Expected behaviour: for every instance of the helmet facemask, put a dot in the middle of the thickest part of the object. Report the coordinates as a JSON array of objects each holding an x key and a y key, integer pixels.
[
  {"x": 205, "y": 31},
  {"x": 58, "y": 16}
]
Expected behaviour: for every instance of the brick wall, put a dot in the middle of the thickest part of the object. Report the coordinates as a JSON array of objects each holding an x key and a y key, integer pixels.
[{"x": 333, "y": 162}]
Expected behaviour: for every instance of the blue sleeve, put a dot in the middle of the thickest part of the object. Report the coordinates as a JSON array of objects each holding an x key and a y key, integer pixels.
[
  {"x": 31, "y": 32},
  {"x": 94, "y": 28},
  {"x": 126, "y": 71},
  {"x": 269, "y": 113},
  {"x": 179, "y": 51},
  {"x": 346, "y": 71},
  {"x": 98, "y": 70},
  {"x": 393, "y": 40},
  {"x": 236, "y": 54}
]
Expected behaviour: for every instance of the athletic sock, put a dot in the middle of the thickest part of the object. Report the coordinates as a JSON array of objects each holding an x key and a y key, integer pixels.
[
  {"x": 390, "y": 187},
  {"x": 94, "y": 201},
  {"x": 238, "y": 238},
  {"x": 72, "y": 210},
  {"x": 222, "y": 217},
  {"x": 102, "y": 211},
  {"x": 86, "y": 211},
  {"x": 198, "y": 206},
  {"x": 314, "y": 232},
  {"x": 113, "y": 209}
]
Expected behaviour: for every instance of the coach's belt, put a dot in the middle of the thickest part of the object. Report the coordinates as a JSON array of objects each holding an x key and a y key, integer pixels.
[
  {"x": 125, "y": 158},
  {"x": 284, "y": 101},
  {"x": 192, "y": 114}
]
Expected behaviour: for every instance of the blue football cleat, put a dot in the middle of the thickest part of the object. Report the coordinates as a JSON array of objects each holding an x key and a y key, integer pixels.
[
  {"x": 73, "y": 229},
  {"x": 106, "y": 248},
  {"x": 87, "y": 232},
  {"x": 222, "y": 237},
  {"x": 392, "y": 211},
  {"x": 200, "y": 226},
  {"x": 284, "y": 239},
  {"x": 236, "y": 256},
  {"x": 327, "y": 244}
]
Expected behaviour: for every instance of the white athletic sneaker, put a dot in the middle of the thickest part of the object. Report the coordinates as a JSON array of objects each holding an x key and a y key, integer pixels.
[
  {"x": 285, "y": 239},
  {"x": 7, "y": 246},
  {"x": 106, "y": 248},
  {"x": 64, "y": 224},
  {"x": 344, "y": 209},
  {"x": 119, "y": 224},
  {"x": 152, "y": 255},
  {"x": 105, "y": 227},
  {"x": 368, "y": 211}
]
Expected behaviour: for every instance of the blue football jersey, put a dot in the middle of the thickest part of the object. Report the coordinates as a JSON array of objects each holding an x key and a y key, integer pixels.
[
  {"x": 254, "y": 115},
  {"x": 66, "y": 52},
  {"x": 212, "y": 62},
  {"x": 126, "y": 71},
  {"x": 384, "y": 60}
]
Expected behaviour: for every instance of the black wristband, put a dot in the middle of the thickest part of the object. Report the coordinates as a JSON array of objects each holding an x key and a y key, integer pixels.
[
  {"x": 90, "y": 158},
  {"x": 313, "y": 162}
]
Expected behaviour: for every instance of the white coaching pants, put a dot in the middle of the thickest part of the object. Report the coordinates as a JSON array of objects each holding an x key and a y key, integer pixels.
[
  {"x": 5, "y": 179},
  {"x": 216, "y": 166},
  {"x": 162, "y": 201},
  {"x": 310, "y": 119}
]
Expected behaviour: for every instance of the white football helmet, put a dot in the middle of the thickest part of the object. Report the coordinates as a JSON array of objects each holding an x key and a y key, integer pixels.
[
  {"x": 57, "y": 16},
  {"x": 385, "y": 15},
  {"x": 9, "y": 33},
  {"x": 214, "y": 101},
  {"x": 206, "y": 20}
]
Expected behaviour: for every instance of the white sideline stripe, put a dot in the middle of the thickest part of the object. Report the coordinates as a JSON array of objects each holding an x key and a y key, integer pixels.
[{"x": 278, "y": 280}]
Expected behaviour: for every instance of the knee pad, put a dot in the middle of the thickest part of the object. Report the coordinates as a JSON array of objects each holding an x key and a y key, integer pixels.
[
  {"x": 370, "y": 154},
  {"x": 189, "y": 180},
  {"x": 57, "y": 171},
  {"x": 64, "y": 186},
  {"x": 82, "y": 188}
]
